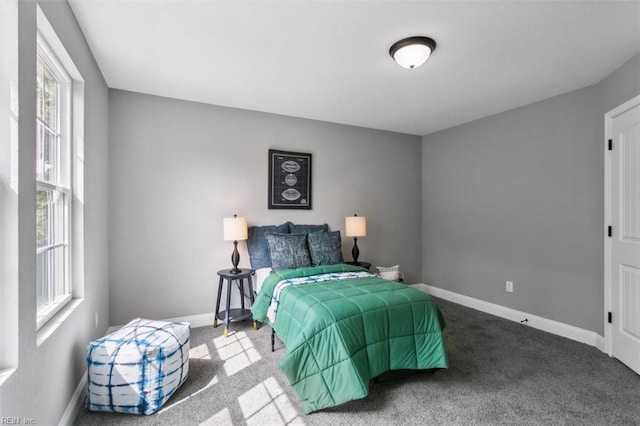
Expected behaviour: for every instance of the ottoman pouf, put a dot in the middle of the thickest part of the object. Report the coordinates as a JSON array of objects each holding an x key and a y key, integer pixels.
[{"x": 137, "y": 368}]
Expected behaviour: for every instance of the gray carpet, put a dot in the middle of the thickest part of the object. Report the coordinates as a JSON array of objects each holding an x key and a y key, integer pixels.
[{"x": 500, "y": 372}]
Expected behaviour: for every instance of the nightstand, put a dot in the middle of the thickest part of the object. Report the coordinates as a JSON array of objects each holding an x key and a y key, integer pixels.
[
  {"x": 363, "y": 264},
  {"x": 232, "y": 315}
]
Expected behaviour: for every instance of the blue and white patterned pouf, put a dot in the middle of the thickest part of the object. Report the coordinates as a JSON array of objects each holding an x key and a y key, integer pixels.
[{"x": 137, "y": 368}]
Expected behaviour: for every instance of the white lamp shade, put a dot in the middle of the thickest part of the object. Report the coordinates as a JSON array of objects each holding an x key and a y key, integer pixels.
[
  {"x": 356, "y": 226},
  {"x": 412, "y": 55},
  {"x": 235, "y": 228}
]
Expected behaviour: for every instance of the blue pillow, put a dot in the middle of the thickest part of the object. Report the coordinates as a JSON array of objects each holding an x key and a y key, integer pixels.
[
  {"x": 288, "y": 251},
  {"x": 306, "y": 229},
  {"x": 257, "y": 245},
  {"x": 325, "y": 248}
]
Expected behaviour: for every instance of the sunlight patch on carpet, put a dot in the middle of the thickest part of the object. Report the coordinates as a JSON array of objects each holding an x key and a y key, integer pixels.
[
  {"x": 199, "y": 352},
  {"x": 221, "y": 418},
  {"x": 237, "y": 352},
  {"x": 212, "y": 382},
  {"x": 267, "y": 404}
]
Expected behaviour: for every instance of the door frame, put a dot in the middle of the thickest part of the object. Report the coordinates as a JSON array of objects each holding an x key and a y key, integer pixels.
[{"x": 608, "y": 130}]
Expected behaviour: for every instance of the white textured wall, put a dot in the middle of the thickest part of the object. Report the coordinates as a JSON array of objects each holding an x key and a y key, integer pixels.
[{"x": 8, "y": 185}]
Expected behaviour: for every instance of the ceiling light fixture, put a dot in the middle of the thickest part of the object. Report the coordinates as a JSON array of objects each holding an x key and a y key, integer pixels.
[{"x": 412, "y": 52}]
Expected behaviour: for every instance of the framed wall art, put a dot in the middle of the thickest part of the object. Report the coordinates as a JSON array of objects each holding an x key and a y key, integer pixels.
[{"x": 289, "y": 180}]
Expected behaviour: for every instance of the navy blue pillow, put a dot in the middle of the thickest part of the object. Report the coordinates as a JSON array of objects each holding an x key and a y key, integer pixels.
[
  {"x": 306, "y": 229},
  {"x": 325, "y": 248},
  {"x": 288, "y": 251},
  {"x": 257, "y": 245}
]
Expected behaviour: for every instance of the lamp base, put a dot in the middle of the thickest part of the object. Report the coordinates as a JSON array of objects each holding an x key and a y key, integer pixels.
[
  {"x": 235, "y": 259},
  {"x": 355, "y": 252}
]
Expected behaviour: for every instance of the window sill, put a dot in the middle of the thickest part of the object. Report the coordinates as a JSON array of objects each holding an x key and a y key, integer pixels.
[
  {"x": 5, "y": 374},
  {"x": 52, "y": 325},
  {"x": 47, "y": 314}
]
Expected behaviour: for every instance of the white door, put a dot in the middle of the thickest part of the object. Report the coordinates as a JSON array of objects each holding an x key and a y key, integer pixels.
[{"x": 625, "y": 238}]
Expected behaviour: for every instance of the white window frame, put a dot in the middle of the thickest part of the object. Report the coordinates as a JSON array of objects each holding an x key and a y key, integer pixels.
[{"x": 62, "y": 185}]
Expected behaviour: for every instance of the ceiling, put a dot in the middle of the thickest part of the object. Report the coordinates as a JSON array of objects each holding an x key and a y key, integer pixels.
[{"x": 328, "y": 60}]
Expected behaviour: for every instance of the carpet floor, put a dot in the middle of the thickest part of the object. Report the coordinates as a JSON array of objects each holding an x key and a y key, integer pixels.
[{"x": 501, "y": 373}]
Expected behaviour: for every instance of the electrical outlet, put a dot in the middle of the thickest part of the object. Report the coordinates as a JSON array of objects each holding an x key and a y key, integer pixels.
[
  {"x": 97, "y": 319},
  {"x": 509, "y": 287}
]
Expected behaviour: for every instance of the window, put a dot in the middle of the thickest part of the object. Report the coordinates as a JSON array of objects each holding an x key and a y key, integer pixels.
[{"x": 53, "y": 181}]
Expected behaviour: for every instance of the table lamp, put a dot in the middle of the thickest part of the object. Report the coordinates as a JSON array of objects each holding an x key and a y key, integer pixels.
[
  {"x": 355, "y": 226},
  {"x": 235, "y": 229}
]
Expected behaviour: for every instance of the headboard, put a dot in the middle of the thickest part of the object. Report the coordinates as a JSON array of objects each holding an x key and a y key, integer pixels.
[{"x": 291, "y": 245}]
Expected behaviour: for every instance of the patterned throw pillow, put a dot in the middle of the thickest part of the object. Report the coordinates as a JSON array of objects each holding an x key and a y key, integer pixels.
[
  {"x": 325, "y": 248},
  {"x": 288, "y": 251},
  {"x": 257, "y": 244},
  {"x": 389, "y": 272}
]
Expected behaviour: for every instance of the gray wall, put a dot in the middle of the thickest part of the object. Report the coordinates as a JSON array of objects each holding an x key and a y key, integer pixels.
[
  {"x": 519, "y": 196},
  {"x": 178, "y": 168},
  {"x": 48, "y": 373}
]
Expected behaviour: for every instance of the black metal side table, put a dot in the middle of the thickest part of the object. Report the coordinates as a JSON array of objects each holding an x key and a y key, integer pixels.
[
  {"x": 363, "y": 264},
  {"x": 231, "y": 315}
]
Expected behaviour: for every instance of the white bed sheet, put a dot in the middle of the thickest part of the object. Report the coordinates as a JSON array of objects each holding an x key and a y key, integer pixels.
[{"x": 260, "y": 275}]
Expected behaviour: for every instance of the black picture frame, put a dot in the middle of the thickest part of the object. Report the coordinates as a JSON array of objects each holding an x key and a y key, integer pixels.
[{"x": 289, "y": 180}]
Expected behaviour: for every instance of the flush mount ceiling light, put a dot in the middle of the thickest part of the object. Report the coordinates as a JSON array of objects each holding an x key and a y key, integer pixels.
[{"x": 412, "y": 52}]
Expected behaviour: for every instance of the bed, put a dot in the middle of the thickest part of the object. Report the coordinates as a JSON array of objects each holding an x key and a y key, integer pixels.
[{"x": 341, "y": 325}]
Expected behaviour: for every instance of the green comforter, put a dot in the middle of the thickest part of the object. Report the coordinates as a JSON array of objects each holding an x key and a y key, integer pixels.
[{"x": 341, "y": 333}]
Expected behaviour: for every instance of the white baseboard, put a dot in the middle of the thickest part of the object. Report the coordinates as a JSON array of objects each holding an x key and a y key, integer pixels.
[
  {"x": 199, "y": 320},
  {"x": 75, "y": 404},
  {"x": 558, "y": 328}
]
